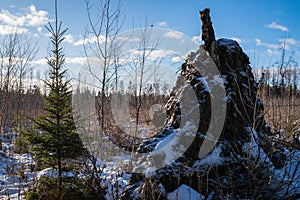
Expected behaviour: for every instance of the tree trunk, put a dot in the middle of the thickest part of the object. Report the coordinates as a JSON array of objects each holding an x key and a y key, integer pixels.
[{"x": 59, "y": 179}]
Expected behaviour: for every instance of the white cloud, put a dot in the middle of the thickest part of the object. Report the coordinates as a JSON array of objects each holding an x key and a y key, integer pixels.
[
  {"x": 197, "y": 39},
  {"x": 42, "y": 61},
  {"x": 80, "y": 42},
  {"x": 76, "y": 60},
  {"x": 69, "y": 60},
  {"x": 162, "y": 24},
  {"x": 39, "y": 29},
  {"x": 100, "y": 39},
  {"x": 31, "y": 18},
  {"x": 258, "y": 42},
  {"x": 272, "y": 52},
  {"x": 177, "y": 59},
  {"x": 6, "y": 30},
  {"x": 173, "y": 34},
  {"x": 157, "y": 54},
  {"x": 274, "y": 25},
  {"x": 239, "y": 40},
  {"x": 290, "y": 41},
  {"x": 69, "y": 38},
  {"x": 128, "y": 38},
  {"x": 36, "y": 18},
  {"x": 10, "y": 19},
  {"x": 152, "y": 55},
  {"x": 12, "y": 61}
]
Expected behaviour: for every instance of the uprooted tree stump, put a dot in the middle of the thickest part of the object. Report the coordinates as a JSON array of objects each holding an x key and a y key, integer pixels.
[{"x": 231, "y": 169}]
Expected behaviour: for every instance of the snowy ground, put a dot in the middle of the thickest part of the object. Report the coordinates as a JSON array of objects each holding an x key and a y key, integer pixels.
[
  {"x": 184, "y": 192},
  {"x": 16, "y": 174},
  {"x": 15, "y": 170}
]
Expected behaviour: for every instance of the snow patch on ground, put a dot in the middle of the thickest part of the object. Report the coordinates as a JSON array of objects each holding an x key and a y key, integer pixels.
[
  {"x": 115, "y": 181},
  {"x": 213, "y": 158},
  {"x": 176, "y": 143},
  {"x": 252, "y": 148},
  {"x": 184, "y": 192},
  {"x": 15, "y": 176},
  {"x": 290, "y": 175}
]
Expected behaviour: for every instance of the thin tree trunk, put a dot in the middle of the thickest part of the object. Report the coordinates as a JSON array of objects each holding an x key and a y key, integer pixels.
[{"x": 59, "y": 178}]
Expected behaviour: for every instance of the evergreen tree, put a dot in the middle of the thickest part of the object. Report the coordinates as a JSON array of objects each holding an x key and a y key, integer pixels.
[{"x": 56, "y": 140}]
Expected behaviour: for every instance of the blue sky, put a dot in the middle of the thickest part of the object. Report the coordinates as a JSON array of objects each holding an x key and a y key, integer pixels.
[{"x": 258, "y": 26}]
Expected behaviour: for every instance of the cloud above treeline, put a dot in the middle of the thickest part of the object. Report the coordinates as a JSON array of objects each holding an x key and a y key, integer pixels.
[
  {"x": 162, "y": 24},
  {"x": 21, "y": 22},
  {"x": 274, "y": 25}
]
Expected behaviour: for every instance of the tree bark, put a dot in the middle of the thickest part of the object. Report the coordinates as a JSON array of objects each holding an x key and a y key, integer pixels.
[{"x": 208, "y": 33}]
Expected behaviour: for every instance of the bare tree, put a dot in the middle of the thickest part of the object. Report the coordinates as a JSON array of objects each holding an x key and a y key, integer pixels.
[
  {"x": 101, "y": 45},
  {"x": 285, "y": 67},
  {"x": 280, "y": 91},
  {"x": 16, "y": 54},
  {"x": 27, "y": 52},
  {"x": 143, "y": 68}
]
